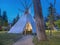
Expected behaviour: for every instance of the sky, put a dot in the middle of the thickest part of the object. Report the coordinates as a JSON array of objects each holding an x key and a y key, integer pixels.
[{"x": 12, "y": 6}]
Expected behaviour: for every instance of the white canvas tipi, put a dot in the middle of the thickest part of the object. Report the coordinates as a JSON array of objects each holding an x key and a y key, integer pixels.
[{"x": 19, "y": 26}]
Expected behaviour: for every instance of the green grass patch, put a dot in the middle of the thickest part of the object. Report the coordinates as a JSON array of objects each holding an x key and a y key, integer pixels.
[
  {"x": 3, "y": 31},
  {"x": 55, "y": 40},
  {"x": 8, "y": 39}
]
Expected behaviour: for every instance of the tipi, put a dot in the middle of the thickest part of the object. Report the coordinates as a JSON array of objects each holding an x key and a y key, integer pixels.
[{"x": 24, "y": 24}]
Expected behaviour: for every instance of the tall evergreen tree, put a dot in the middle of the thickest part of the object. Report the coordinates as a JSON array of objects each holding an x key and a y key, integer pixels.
[
  {"x": 0, "y": 19},
  {"x": 5, "y": 19},
  {"x": 14, "y": 21},
  {"x": 51, "y": 18},
  {"x": 17, "y": 17}
]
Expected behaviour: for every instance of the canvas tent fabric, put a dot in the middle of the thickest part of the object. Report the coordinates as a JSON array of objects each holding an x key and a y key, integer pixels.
[{"x": 19, "y": 26}]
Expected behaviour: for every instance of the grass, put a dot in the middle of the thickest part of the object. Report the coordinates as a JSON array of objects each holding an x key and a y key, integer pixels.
[
  {"x": 8, "y": 39},
  {"x": 55, "y": 40},
  {"x": 3, "y": 32}
]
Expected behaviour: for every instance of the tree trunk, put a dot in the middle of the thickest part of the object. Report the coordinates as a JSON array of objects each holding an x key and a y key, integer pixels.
[{"x": 39, "y": 20}]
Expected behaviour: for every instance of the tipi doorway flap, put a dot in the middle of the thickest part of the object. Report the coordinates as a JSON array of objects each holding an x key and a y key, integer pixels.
[{"x": 27, "y": 28}]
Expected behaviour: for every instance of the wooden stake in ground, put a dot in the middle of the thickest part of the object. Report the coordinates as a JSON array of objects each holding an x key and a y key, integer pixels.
[{"x": 39, "y": 20}]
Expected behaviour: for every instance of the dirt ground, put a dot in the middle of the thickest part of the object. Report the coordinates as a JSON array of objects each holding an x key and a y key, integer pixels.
[{"x": 26, "y": 40}]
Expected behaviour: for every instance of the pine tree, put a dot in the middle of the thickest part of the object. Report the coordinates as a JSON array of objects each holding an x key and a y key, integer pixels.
[
  {"x": 14, "y": 21},
  {"x": 0, "y": 17},
  {"x": 0, "y": 20},
  {"x": 5, "y": 19},
  {"x": 17, "y": 18},
  {"x": 51, "y": 18}
]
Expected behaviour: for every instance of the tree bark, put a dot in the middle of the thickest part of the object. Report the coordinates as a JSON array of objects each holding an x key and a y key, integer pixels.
[{"x": 39, "y": 20}]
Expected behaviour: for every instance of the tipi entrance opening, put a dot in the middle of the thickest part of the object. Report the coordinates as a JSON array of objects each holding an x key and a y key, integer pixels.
[{"x": 27, "y": 29}]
